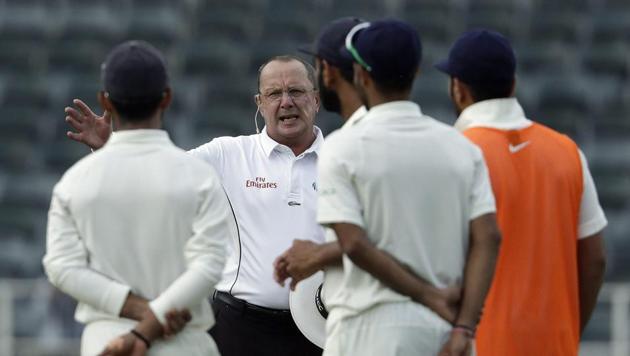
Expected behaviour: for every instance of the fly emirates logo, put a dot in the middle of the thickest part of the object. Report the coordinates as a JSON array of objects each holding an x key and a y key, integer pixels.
[{"x": 260, "y": 183}]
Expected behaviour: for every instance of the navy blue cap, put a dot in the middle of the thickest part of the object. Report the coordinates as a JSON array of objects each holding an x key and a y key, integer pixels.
[
  {"x": 134, "y": 71},
  {"x": 388, "y": 48},
  {"x": 480, "y": 57},
  {"x": 330, "y": 40}
]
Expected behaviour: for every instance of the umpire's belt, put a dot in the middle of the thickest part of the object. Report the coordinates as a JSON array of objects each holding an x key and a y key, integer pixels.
[{"x": 245, "y": 307}]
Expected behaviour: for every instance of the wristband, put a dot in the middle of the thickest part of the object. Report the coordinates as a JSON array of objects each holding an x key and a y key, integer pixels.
[
  {"x": 142, "y": 338},
  {"x": 466, "y": 330}
]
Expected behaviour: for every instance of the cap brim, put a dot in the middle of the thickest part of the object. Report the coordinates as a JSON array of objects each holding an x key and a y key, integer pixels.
[
  {"x": 310, "y": 49},
  {"x": 443, "y": 66},
  {"x": 304, "y": 310}
]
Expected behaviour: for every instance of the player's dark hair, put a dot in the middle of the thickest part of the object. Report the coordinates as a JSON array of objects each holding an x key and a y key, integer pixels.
[
  {"x": 136, "y": 110},
  {"x": 481, "y": 92}
]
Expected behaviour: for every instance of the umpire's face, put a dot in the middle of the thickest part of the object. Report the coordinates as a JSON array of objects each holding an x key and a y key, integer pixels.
[{"x": 288, "y": 101}]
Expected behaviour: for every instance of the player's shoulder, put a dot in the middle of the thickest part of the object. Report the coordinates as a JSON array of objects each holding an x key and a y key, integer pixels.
[
  {"x": 449, "y": 135},
  {"x": 81, "y": 169},
  {"x": 342, "y": 141},
  {"x": 553, "y": 134}
]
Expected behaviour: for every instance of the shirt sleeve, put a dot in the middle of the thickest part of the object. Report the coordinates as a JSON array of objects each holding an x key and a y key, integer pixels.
[
  {"x": 482, "y": 198},
  {"x": 66, "y": 262},
  {"x": 204, "y": 252},
  {"x": 338, "y": 200},
  {"x": 592, "y": 218},
  {"x": 212, "y": 153}
]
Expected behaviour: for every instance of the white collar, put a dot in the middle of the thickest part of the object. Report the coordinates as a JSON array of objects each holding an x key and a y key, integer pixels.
[
  {"x": 356, "y": 116},
  {"x": 141, "y": 136},
  {"x": 395, "y": 108},
  {"x": 502, "y": 114},
  {"x": 269, "y": 145}
]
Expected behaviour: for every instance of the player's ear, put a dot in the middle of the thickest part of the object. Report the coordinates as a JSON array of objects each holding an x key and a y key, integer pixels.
[
  {"x": 103, "y": 100},
  {"x": 328, "y": 73},
  {"x": 167, "y": 97}
]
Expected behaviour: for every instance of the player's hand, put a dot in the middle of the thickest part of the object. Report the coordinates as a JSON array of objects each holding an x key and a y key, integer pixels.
[
  {"x": 176, "y": 320},
  {"x": 445, "y": 302},
  {"x": 458, "y": 344},
  {"x": 298, "y": 262},
  {"x": 125, "y": 345},
  {"x": 91, "y": 129}
]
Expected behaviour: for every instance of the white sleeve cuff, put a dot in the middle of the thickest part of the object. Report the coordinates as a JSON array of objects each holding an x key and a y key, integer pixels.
[
  {"x": 185, "y": 292},
  {"x": 160, "y": 308},
  {"x": 592, "y": 226},
  {"x": 325, "y": 218},
  {"x": 483, "y": 210},
  {"x": 114, "y": 299}
]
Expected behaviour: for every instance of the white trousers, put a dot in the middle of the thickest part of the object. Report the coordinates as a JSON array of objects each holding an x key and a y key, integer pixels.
[
  {"x": 395, "y": 329},
  {"x": 190, "y": 341}
]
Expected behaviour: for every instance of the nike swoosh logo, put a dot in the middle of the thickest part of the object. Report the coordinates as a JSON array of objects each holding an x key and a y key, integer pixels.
[{"x": 520, "y": 146}]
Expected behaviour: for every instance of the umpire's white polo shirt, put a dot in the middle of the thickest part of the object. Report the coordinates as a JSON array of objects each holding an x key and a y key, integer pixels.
[
  {"x": 273, "y": 194},
  {"x": 413, "y": 184}
]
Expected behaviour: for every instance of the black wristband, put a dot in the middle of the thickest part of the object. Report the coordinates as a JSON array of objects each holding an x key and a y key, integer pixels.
[{"x": 142, "y": 338}]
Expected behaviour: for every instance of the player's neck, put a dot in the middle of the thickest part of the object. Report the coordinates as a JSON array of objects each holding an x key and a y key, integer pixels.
[{"x": 154, "y": 122}]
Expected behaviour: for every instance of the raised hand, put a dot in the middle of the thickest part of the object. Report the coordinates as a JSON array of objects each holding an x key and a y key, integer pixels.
[{"x": 91, "y": 129}]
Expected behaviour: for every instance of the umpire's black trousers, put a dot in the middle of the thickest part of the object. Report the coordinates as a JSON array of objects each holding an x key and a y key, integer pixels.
[{"x": 243, "y": 329}]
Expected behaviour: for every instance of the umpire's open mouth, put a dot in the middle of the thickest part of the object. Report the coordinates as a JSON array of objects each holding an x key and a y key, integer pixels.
[{"x": 288, "y": 117}]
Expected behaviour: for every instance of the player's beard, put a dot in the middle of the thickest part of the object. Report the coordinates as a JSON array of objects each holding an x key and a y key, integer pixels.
[{"x": 330, "y": 99}]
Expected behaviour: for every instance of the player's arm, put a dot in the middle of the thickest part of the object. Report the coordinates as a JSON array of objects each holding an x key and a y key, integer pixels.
[
  {"x": 483, "y": 250},
  {"x": 591, "y": 256},
  {"x": 478, "y": 272},
  {"x": 591, "y": 268},
  {"x": 483, "y": 247},
  {"x": 356, "y": 245}
]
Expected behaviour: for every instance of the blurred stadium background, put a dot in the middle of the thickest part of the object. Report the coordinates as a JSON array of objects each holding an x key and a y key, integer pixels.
[{"x": 573, "y": 75}]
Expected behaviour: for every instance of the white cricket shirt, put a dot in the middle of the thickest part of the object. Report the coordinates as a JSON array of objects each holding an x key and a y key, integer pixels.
[
  {"x": 355, "y": 118},
  {"x": 413, "y": 184},
  {"x": 507, "y": 114},
  {"x": 333, "y": 274},
  {"x": 140, "y": 215},
  {"x": 273, "y": 194}
]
